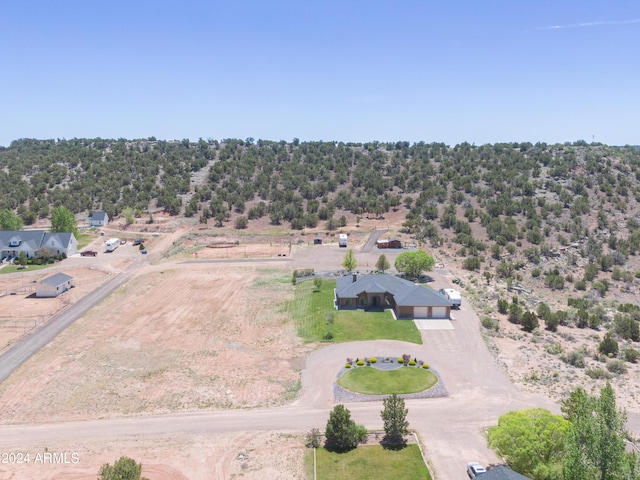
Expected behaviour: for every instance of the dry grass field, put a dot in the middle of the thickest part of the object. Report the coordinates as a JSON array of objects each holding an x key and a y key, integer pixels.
[{"x": 178, "y": 337}]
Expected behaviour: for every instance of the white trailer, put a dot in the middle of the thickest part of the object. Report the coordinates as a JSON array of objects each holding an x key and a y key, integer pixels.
[
  {"x": 111, "y": 244},
  {"x": 453, "y": 296},
  {"x": 342, "y": 240}
]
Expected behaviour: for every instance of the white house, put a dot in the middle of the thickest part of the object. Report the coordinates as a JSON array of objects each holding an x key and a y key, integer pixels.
[
  {"x": 13, "y": 242},
  {"x": 54, "y": 285},
  {"x": 99, "y": 219},
  {"x": 61, "y": 242}
]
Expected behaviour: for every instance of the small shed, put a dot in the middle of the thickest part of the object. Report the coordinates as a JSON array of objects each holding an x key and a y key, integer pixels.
[
  {"x": 317, "y": 241},
  {"x": 99, "y": 219},
  {"x": 54, "y": 285},
  {"x": 389, "y": 243}
]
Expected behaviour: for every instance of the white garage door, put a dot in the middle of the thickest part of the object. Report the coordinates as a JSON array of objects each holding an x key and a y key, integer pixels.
[
  {"x": 439, "y": 312},
  {"x": 420, "y": 312}
]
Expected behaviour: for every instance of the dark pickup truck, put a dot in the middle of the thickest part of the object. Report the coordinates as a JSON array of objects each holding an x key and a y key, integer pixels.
[
  {"x": 88, "y": 253},
  {"x": 138, "y": 241}
]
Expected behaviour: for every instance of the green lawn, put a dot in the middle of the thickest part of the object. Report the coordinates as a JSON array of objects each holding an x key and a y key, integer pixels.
[
  {"x": 28, "y": 268},
  {"x": 371, "y": 381},
  {"x": 367, "y": 462},
  {"x": 309, "y": 309},
  {"x": 85, "y": 239}
]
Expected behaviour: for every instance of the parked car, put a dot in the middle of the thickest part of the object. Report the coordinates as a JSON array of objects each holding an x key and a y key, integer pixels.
[
  {"x": 138, "y": 241},
  {"x": 123, "y": 241},
  {"x": 475, "y": 469},
  {"x": 144, "y": 252},
  {"x": 88, "y": 253}
]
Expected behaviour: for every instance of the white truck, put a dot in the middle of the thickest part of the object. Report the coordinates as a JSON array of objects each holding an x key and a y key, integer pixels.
[
  {"x": 342, "y": 240},
  {"x": 453, "y": 296},
  {"x": 111, "y": 244}
]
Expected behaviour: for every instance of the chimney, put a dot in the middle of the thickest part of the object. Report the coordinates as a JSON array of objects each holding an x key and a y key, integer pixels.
[{"x": 354, "y": 277}]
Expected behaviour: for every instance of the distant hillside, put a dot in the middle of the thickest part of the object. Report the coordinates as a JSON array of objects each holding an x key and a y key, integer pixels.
[{"x": 492, "y": 203}]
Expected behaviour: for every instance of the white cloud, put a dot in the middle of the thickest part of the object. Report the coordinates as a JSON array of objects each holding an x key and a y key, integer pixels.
[{"x": 591, "y": 24}]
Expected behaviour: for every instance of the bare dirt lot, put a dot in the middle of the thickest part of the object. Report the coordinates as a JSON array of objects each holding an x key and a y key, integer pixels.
[
  {"x": 246, "y": 455},
  {"x": 21, "y": 311},
  {"x": 177, "y": 337}
]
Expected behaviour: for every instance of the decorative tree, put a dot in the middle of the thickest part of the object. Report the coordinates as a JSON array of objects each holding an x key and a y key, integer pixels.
[
  {"x": 341, "y": 432},
  {"x": 62, "y": 220},
  {"x": 10, "y": 221},
  {"x": 532, "y": 441},
  {"x": 382, "y": 264},
  {"x": 349, "y": 261},
  {"x": 394, "y": 416},
  {"x": 414, "y": 263},
  {"x": 595, "y": 442}
]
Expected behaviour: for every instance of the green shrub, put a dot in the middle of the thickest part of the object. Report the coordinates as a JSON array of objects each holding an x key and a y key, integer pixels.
[
  {"x": 552, "y": 322},
  {"x": 597, "y": 373},
  {"x": 608, "y": 345},
  {"x": 554, "y": 348},
  {"x": 631, "y": 355},
  {"x": 616, "y": 366},
  {"x": 348, "y": 365},
  {"x": 503, "y": 306},
  {"x": 490, "y": 324},
  {"x": 360, "y": 362},
  {"x": 400, "y": 360},
  {"x": 373, "y": 360},
  {"x": 412, "y": 362},
  {"x": 574, "y": 358},
  {"x": 529, "y": 321},
  {"x": 425, "y": 365}
]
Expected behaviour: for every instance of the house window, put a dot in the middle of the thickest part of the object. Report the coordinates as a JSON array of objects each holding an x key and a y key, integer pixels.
[{"x": 347, "y": 302}]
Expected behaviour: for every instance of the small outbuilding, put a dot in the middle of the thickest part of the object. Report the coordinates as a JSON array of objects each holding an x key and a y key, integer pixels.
[
  {"x": 389, "y": 243},
  {"x": 99, "y": 219},
  {"x": 317, "y": 241},
  {"x": 54, "y": 285}
]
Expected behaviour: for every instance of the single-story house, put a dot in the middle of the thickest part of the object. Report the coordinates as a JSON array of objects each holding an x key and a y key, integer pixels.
[
  {"x": 502, "y": 473},
  {"x": 407, "y": 299},
  {"x": 54, "y": 285},
  {"x": 12, "y": 242},
  {"x": 99, "y": 219},
  {"x": 389, "y": 243}
]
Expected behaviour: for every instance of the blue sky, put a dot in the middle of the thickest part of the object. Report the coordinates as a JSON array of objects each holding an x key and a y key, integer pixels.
[{"x": 481, "y": 72}]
